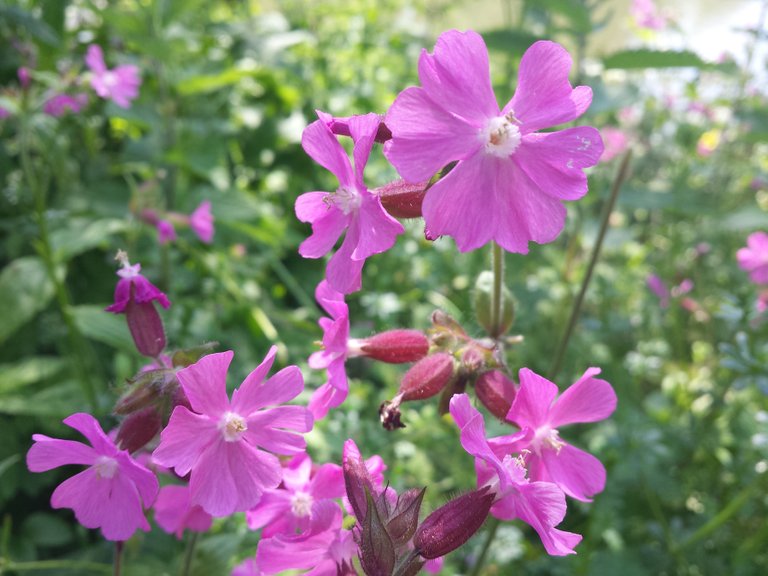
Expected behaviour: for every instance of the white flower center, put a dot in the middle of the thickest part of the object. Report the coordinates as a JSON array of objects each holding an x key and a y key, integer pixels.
[
  {"x": 301, "y": 504},
  {"x": 547, "y": 439},
  {"x": 232, "y": 426},
  {"x": 105, "y": 467},
  {"x": 346, "y": 199},
  {"x": 110, "y": 79},
  {"x": 501, "y": 136}
]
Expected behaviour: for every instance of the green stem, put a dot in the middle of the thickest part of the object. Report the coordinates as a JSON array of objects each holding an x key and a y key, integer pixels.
[
  {"x": 493, "y": 527},
  {"x": 497, "y": 304},
  {"x": 720, "y": 518},
  {"x": 77, "y": 343},
  {"x": 621, "y": 176},
  {"x": 189, "y": 555},
  {"x": 118, "y": 561}
]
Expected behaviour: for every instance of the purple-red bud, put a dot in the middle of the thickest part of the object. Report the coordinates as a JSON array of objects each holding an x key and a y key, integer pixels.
[
  {"x": 396, "y": 346},
  {"x": 145, "y": 389},
  {"x": 377, "y": 551},
  {"x": 357, "y": 479},
  {"x": 138, "y": 429},
  {"x": 427, "y": 377},
  {"x": 404, "y": 519},
  {"x": 451, "y": 525},
  {"x": 146, "y": 327},
  {"x": 402, "y": 199},
  {"x": 496, "y": 392}
]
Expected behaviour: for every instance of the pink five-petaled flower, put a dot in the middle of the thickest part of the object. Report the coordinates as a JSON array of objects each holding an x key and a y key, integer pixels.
[
  {"x": 577, "y": 473},
  {"x": 289, "y": 509},
  {"x": 58, "y": 104},
  {"x": 121, "y": 84},
  {"x": 223, "y": 443},
  {"x": 646, "y": 15},
  {"x": 510, "y": 181},
  {"x": 539, "y": 504},
  {"x": 133, "y": 285},
  {"x": 201, "y": 222},
  {"x": 174, "y": 513},
  {"x": 107, "y": 495},
  {"x": 352, "y": 207},
  {"x": 325, "y": 547},
  {"x": 334, "y": 353},
  {"x": 754, "y": 257}
]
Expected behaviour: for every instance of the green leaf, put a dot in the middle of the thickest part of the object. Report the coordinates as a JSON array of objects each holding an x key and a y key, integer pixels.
[
  {"x": 208, "y": 83},
  {"x": 104, "y": 327},
  {"x": 644, "y": 58},
  {"x": 25, "y": 290},
  {"x": 36, "y": 28},
  {"x": 577, "y": 14},
  {"x": 28, "y": 371},
  {"x": 55, "y": 402},
  {"x": 509, "y": 41},
  {"x": 82, "y": 235},
  {"x": 47, "y": 530}
]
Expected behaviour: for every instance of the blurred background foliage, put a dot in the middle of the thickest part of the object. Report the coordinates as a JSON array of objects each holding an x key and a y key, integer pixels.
[{"x": 227, "y": 88}]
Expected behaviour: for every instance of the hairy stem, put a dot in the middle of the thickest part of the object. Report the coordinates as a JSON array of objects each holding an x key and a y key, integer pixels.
[{"x": 497, "y": 302}]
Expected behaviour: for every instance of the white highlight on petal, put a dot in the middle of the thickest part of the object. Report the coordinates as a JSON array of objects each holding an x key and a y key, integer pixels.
[
  {"x": 105, "y": 467},
  {"x": 501, "y": 136},
  {"x": 301, "y": 504},
  {"x": 346, "y": 199},
  {"x": 232, "y": 426}
]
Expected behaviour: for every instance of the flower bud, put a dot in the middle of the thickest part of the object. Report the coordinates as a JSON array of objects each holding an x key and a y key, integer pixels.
[
  {"x": 357, "y": 479},
  {"x": 396, "y": 346},
  {"x": 483, "y": 302},
  {"x": 145, "y": 389},
  {"x": 146, "y": 327},
  {"x": 427, "y": 377},
  {"x": 404, "y": 519},
  {"x": 402, "y": 199},
  {"x": 188, "y": 356},
  {"x": 496, "y": 392},
  {"x": 451, "y": 525},
  {"x": 138, "y": 429},
  {"x": 377, "y": 551}
]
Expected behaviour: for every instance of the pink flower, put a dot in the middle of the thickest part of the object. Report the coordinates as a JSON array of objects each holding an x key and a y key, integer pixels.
[
  {"x": 248, "y": 567},
  {"x": 334, "y": 354},
  {"x": 647, "y": 15},
  {"x": 165, "y": 231},
  {"x": 121, "y": 84},
  {"x": 223, "y": 444},
  {"x": 577, "y": 473},
  {"x": 616, "y": 142},
  {"x": 59, "y": 104},
  {"x": 290, "y": 508},
  {"x": 132, "y": 285},
  {"x": 24, "y": 77},
  {"x": 110, "y": 492},
  {"x": 754, "y": 257},
  {"x": 510, "y": 181},
  {"x": 352, "y": 207},
  {"x": 539, "y": 504},
  {"x": 325, "y": 548},
  {"x": 201, "y": 222},
  {"x": 4, "y": 113},
  {"x": 174, "y": 513},
  {"x": 659, "y": 287}
]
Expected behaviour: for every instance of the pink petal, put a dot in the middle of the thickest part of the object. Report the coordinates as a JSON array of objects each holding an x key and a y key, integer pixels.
[
  {"x": 322, "y": 146},
  {"x": 378, "y": 230},
  {"x": 555, "y": 161},
  {"x": 205, "y": 383},
  {"x": 273, "y": 507},
  {"x": 49, "y": 453},
  {"x": 94, "y": 59},
  {"x": 255, "y": 471},
  {"x": 328, "y": 222},
  {"x": 185, "y": 438},
  {"x": 343, "y": 273},
  {"x": 213, "y": 486},
  {"x": 145, "y": 481},
  {"x": 457, "y": 77},
  {"x": 328, "y": 482},
  {"x": 464, "y": 204},
  {"x": 255, "y": 393},
  {"x": 589, "y": 399},
  {"x": 325, "y": 398},
  {"x": 89, "y": 427},
  {"x": 123, "y": 513},
  {"x": 533, "y": 400},
  {"x": 272, "y": 429},
  {"x": 331, "y": 300},
  {"x": 297, "y": 472},
  {"x": 363, "y": 130},
  {"x": 544, "y": 96},
  {"x": 579, "y": 474},
  {"x": 425, "y": 137}
]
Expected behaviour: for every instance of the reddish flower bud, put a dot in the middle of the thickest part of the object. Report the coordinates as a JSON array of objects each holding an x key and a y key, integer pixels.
[
  {"x": 145, "y": 389},
  {"x": 451, "y": 525},
  {"x": 496, "y": 392},
  {"x": 377, "y": 551},
  {"x": 396, "y": 346},
  {"x": 402, "y": 199},
  {"x": 357, "y": 479},
  {"x": 427, "y": 377},
  {"x": 138, "y": 429},
  {"x": 146, "y": 327},
  {"x": 405, "y": 517}
]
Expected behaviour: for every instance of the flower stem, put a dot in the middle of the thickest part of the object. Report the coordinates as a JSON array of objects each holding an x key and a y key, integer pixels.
[
  {"x": 492, "y": 528},
  {"x": 77, "y": 344},
  {"x": 497, "y": 302},
  {"x": 189, "y": 554},
  {"x": 118, "y": 561},
  {"x": 621, "y": 176}
]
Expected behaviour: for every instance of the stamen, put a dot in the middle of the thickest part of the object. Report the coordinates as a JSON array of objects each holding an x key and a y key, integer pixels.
[{"x": 232, "y": 426}]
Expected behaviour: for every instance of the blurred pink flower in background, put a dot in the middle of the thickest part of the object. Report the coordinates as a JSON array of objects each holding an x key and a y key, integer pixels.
[
  {"x": 121, "y": 84},
  {"x": 174, "y": 513},
  {"x": 647, "y": 15},
  {"x": 616, "y": 142},
  {"x": 59, "y": 104},
  {"x": 201, "y": 222},
  {"x": 754, "y": 257}
]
